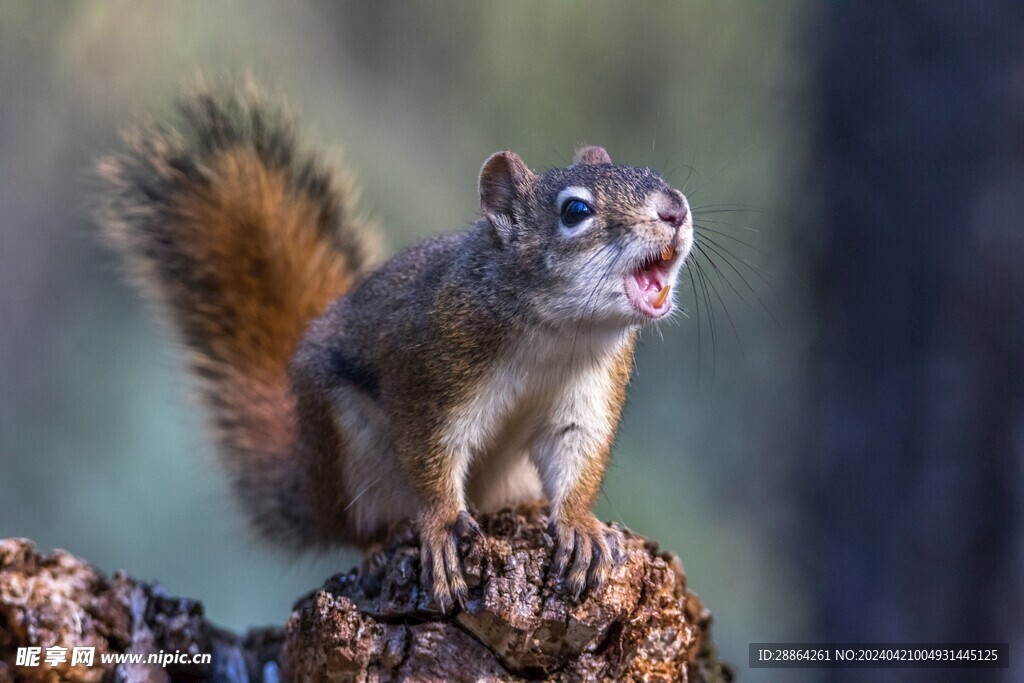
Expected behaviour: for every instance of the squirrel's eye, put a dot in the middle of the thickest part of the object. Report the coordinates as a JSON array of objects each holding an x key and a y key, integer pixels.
[{"x": 575, "y": 211}]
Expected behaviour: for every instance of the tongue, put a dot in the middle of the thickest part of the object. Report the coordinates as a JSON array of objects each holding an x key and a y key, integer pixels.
[
  {"x": 647, "y": 282},
  {"x": 651, "y": 289}
]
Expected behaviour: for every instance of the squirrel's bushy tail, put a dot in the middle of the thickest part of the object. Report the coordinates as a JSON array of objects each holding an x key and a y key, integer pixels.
[{"x": 240, "y": 240}]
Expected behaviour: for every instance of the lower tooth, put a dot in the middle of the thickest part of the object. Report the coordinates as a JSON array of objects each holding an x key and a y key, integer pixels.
[{"x": 662, "y": 295}]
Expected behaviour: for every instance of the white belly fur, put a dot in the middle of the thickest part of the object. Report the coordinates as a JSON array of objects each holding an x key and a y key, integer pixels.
[{"x": 550, "y": 381}]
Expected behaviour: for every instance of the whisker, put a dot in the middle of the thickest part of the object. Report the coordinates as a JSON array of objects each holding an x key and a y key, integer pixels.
[
  {"x": 761, "y": 274},
  {"x": 729, "y": 223},
  {"x": 703, "y": 211},
  {"x": 725, "y": 308},
  {"x": 618, "y": 514},
  {"x": 725, "y": 280},
  {"x": 714, "y": 246},
  {"x": 709, "y": 181},
  {"x": 729, "y": 205},
  {"x": 365, "y": 489},
  {"x": 579, "y": 319},
  {"x": 692, "y": 170},
  {"x": 710, "y": 311},
  {"x": 590, "y": 298},
  {"x": 608, "y": 272},
  {"x": 703, "y": 228},
  {"x": 696, "y": 302}
]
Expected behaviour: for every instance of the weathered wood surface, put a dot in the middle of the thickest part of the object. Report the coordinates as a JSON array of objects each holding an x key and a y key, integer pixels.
[{"x": 518, "y": 624}]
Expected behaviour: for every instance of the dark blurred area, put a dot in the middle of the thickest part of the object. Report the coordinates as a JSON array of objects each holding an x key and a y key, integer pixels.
[
  {"x": 832, "y": 438},
  {"x": 915, "y": 442}
]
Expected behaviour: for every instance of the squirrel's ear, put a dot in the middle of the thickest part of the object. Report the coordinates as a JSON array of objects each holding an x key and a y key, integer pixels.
[
  {"x": 503, "y": 178},
  {"x": 591, "y": 155}
]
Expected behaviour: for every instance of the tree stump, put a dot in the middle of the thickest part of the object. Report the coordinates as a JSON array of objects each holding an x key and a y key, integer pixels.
[{"x": 519, "y": 623}]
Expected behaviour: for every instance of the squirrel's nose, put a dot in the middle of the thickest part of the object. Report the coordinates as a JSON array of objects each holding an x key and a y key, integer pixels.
[{"x": 674, "y": 216}]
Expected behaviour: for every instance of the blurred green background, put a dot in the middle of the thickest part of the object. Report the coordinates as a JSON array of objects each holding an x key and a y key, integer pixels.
[{"x": 103, "y": 453}]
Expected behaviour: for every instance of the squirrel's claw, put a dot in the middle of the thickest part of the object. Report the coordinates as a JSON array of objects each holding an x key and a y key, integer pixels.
[
  {"x": 370, "y": 569},
  {"x": 466, "y": 526},
  {"x": 585, "y": 553},
  {"x": 616, "y": 543},
  {"x": 440, "y": 567}
]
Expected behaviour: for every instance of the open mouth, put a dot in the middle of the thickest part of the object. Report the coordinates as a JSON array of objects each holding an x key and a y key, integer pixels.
[{"x": 648, "y": 287}]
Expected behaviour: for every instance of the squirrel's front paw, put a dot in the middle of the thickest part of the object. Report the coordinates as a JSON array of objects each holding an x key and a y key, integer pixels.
[
  {"x": 440, "y": 567},
  {"x": 588, "y": 550}
]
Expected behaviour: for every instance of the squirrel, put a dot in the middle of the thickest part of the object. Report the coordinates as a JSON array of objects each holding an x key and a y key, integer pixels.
[{"x": 474, "y": 370}]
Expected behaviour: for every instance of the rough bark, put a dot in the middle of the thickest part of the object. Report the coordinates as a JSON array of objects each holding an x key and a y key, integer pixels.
[{"x": 518, "y": 624}]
